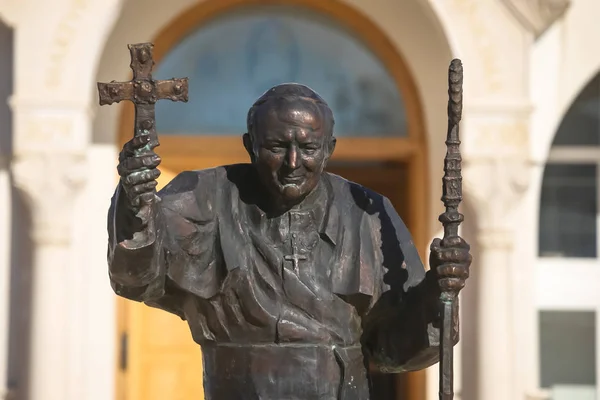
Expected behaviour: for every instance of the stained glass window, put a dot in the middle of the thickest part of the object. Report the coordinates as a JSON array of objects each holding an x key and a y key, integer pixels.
[{"x": 232, "y": 60}]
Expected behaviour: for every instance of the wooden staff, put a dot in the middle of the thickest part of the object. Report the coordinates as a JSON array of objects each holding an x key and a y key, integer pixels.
[{"x": 451, "y": 219}]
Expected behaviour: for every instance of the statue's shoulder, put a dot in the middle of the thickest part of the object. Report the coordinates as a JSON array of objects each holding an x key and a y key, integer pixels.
[
  {"x": 354, "y": 194},
  {"x": 224, "y": 171},
  {"x": 198, "y": 191},
  {"x": 189, "y": 180}
]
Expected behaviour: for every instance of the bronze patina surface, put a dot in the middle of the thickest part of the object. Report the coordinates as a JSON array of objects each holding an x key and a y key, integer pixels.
[{"x": 292, "y": 280}]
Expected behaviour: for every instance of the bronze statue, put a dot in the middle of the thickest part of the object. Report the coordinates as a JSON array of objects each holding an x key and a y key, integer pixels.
[{"x": 292, "y": 280}]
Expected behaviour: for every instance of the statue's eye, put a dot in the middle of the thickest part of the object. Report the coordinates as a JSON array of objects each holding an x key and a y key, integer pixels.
[
  {"x": 309, "y": 149},
  {"x": 276, "y": 149}
]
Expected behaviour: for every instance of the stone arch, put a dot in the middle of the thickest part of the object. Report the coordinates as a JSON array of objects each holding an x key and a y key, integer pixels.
[
  {"x": 428, "y": 34},
  {"x": 484, "y": 46},
  {"x": 562, "y": 57},
  {"x": 412, "y": 28}
]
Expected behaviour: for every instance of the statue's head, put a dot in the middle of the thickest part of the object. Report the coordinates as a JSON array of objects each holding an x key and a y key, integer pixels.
[{"x": 289, "y": 140}]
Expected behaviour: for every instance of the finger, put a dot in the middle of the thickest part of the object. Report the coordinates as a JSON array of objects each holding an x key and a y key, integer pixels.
[
  {"x": 143, "y": 199},
  {"x": 146, "y": 198},
  {"x": 135, "y": 201},
  {"x": 452, "y": 255},
  {"x": 140, "y": 177},
  {"x": 137, "y": 143},
  {"x": 435, "y": 244},
  {"x": 451, "y": 284},
  {"x": 143, "y": 188},
  {"x": 455, "y": 241},
  {"x": 122, "y": 171},
  {"x": 132, "y": 164},
  {"x": 137, "y": 178},
  {"x": 453, "y": 271}
]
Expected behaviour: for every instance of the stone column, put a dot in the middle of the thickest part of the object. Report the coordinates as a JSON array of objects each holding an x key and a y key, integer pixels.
[
  {"x": 49, "y": 168},
  {"x": 56, "y": 55},
  {"x": 496, "y": 175}
]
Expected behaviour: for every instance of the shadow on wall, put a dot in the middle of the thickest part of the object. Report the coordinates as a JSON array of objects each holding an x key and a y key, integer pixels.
[
  {"x": 20, "y": 244},
  {"x": 469, "y": 313},
  {"x": 21, "y": 278}
]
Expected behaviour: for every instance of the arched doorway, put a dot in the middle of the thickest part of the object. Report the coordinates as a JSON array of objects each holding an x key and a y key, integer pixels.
[{"x": 232, "y": 51}]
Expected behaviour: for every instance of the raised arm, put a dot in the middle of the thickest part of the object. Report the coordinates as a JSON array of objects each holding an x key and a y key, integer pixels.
[
  {"x": 134, "y": 220},
  {"x": 156, "y": 238}
]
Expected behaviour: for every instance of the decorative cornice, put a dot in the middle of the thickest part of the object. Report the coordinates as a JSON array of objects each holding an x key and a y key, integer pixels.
[
  {"x": 537, "y": 15},
  {"x": 495, "y": 185},
  {"x": 490, "y": 238},
  {"x": 50, "y": 183},
  {"x": 521, "y": 108},
  {"x": 62, "y": 41},
  {"x": 26, "y": 104},
  {"x": 9, "y": 12}
]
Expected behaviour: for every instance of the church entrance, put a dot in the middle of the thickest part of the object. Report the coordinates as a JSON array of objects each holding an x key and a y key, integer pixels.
[{"x": 232, "y": 51}]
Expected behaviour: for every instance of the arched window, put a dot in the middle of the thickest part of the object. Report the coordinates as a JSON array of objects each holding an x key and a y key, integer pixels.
[
  {"x": 568, "y": 270},
  {"x": 569, "y": 201},
  {"x": 233, "y": 59}
]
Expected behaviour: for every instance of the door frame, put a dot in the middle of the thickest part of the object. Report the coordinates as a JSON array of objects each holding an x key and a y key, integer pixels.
[{"x": 179, "y": 151}]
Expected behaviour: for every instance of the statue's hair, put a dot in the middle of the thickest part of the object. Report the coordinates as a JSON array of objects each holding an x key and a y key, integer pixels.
[{"x": 292, "y": 92}]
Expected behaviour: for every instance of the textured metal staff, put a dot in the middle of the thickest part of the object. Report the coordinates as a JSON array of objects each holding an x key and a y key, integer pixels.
[{"x": 451, "y": 219}]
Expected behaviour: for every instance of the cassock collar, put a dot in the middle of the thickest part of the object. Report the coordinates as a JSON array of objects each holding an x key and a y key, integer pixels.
[
  {"x": 329, "y": 218},
  {"x": 320, "y": 204}
]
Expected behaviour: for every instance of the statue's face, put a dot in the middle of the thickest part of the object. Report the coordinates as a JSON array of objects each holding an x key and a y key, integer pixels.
[{"x": 290, "y": 149}]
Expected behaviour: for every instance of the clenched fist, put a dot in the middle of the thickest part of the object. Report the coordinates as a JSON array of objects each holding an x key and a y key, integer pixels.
[
  {"x": 138, "y": 170},
  {"x": 450, "y": 260}
]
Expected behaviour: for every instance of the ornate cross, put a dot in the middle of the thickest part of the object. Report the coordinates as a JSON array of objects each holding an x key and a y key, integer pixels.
[
  {"x": 143, "y": 91},
  {"x": 295, "y": 257}
]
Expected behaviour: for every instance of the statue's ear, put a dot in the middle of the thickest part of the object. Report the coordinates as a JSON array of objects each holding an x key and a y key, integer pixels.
[
  {"x": 249, "y": 146},
  {"x": 331, "y": 147}
]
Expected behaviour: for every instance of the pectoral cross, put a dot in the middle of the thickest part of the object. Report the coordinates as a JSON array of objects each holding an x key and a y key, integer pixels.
[
  {"x": 295, "y": 258},
  {"x": 143, "y": 91}
]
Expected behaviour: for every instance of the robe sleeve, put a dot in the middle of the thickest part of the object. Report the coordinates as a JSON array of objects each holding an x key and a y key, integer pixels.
[
  {"x": 159, "y": 263},
  {"x": 401, "y": 328}
]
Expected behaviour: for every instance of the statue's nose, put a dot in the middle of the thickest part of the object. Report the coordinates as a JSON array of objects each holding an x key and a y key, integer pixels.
[{"x": 292, "y": 157}]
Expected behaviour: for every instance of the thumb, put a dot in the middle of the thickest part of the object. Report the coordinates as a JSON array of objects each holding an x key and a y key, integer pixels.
[{"x": 436, "y": 243}]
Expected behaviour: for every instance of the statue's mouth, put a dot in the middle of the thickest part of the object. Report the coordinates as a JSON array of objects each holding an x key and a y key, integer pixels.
[{"x": 292, "y": 179}]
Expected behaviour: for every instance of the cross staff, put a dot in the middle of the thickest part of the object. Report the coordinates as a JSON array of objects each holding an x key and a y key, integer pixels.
[
  {"x": 143, "y": 91},
  {"x": 451, "y": 219}
]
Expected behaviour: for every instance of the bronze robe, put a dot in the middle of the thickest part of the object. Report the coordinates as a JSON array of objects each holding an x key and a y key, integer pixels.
[{"x": 290, "y": 306}]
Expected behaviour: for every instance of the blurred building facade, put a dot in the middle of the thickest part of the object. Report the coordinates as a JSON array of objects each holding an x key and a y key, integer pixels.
[{"x": 531, "y": 149}]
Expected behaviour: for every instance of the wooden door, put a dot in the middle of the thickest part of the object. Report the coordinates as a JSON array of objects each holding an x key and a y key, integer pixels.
[
  {"x": 386, "y": 178},
  {"x": 158, "y": 360}
]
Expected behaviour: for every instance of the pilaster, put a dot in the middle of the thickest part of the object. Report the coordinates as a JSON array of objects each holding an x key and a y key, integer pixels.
[
  {"x": 497, "y": 173},
  {"x": 49, "y": 169},
  {"x": 57, "y": 48}
]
